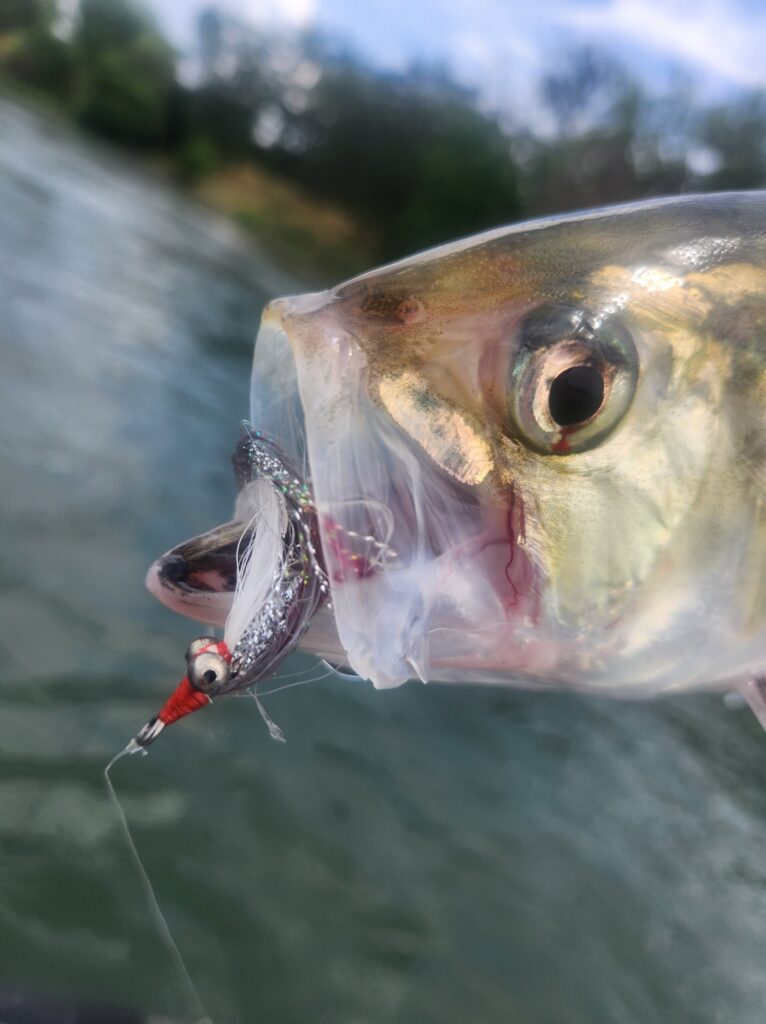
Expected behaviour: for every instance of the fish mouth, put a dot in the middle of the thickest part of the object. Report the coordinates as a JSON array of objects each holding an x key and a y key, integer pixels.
[
  {"x": 197, "y": 578},
  {"x": 429, "y": 575}
]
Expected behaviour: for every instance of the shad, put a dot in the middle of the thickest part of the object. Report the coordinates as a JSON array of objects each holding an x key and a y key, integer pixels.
[{"x": 534, "y": 457}]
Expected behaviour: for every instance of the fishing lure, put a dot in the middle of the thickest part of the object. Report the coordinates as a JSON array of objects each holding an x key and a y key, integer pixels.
[{"x": 280, "y": 582}]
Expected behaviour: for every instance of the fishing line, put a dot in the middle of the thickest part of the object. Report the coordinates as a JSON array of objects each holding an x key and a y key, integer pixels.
[
  {"x": 274, "y": 731},
  {"x": 286, "y": 680},
  {"x": 302, "y": 682},
  {"x": 288, "y": 677},
  {"x": 340, "y": 672},
  {"x": 155, "y": 912}
]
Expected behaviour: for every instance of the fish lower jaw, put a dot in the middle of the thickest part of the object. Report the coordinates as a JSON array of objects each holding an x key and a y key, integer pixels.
[{"x": 208, "y": 606}]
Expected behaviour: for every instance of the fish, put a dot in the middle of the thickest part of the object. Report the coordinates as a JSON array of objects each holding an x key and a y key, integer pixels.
[{"x": 534, "y": 457}]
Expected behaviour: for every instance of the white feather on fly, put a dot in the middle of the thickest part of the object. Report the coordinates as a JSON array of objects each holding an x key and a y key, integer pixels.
[{"x": 259, "y": 560}]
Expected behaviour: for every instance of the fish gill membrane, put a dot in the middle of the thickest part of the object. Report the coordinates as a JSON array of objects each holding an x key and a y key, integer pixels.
[{"x": 534, "y": 457}]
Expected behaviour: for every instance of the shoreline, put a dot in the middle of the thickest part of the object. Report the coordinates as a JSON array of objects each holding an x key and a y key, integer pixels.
[{"x": 312, "y": 239}]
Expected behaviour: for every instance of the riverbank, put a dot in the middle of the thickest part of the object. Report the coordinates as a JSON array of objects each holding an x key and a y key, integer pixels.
[{"x": 318, "y": 241}]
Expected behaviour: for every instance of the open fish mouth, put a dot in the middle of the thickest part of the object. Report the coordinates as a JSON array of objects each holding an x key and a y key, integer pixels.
[
  {"x": 404, "y": 569},
  {"x": 348, "y": 554},
  {"x": 199, "y": 577}
]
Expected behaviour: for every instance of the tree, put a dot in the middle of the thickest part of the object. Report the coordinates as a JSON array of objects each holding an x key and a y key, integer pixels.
[
  {"x": 125, "y": 72},
  {"x": 411, "y": 155},
  {"x": 613, "y": 141},
  {"x": 31, "y": 52},
  {"x": 22, "y": 14},
  {"x": 735, "y": 135}
]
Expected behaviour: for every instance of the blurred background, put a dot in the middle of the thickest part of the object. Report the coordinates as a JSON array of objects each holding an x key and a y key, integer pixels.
[
  {"x": 420, "y": 855},
  {"x": 343, "y": 134}
]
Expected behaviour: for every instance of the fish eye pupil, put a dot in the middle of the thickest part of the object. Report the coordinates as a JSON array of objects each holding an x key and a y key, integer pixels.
[
  {"x": 209, "y": 676},
  {"x": 576, "y": 395}
]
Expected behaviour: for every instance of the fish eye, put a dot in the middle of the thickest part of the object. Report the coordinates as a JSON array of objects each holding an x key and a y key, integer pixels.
[
  {"x": 576, "y": 395},
  {"x": 572, "y": 379},
  {"x": 208, "y": 672}
]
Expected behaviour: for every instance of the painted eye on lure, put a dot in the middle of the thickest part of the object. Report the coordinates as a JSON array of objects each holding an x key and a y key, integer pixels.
[
  {"x": 571, "y": 381},
  {"x": 202, "y": 643},
  {"x": 207, "y": 671}
]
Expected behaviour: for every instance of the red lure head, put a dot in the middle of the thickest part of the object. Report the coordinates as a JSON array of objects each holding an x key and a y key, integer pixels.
[{"x": 207, "y": 661}]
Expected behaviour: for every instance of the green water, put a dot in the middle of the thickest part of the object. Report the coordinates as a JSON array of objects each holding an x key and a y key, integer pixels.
[{"x": 428, "y": 855}]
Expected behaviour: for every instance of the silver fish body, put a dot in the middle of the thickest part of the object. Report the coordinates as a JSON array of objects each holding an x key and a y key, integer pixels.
[{"x": 537, "y": 456}]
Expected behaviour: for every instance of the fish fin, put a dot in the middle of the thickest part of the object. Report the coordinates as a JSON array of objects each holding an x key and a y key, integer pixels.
[{"x": 754, "y": 692}]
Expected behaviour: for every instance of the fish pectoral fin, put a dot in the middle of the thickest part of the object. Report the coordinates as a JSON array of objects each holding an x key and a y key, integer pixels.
[{"x": 754, "y": 692}]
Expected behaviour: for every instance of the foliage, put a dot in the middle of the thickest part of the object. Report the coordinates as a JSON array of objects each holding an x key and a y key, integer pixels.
[
  {"x": 23, "y": 14},
  {"x": 39, "y": 59},
  {"x": 29, "y": 51},
  {"x": 198, "y": 157},
  {"x": 411, "y": 157},
  {"x": 125, "y": 72},
  {"x": 212, "y": 111},
  {"x": 739, "y": 143}
]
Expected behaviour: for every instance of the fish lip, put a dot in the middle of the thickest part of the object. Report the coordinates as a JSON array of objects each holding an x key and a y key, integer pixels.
[
  {"x": 209, "y": 607},
  {"x": 173, "y": 570},
  {"x": 196, "y": 577}
]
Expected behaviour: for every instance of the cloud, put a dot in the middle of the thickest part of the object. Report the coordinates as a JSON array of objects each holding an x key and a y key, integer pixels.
[
  {"x": 502, "y": 46},
  {"x": 179, "y": 17},
  {"x": 291, "y": 13},
  {"x": 716, "y": 37}
]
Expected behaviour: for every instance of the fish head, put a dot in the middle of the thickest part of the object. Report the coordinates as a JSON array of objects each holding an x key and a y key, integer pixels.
[{"x": 534, "y": 455}]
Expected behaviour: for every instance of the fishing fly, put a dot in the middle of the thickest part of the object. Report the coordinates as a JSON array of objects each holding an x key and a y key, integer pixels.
[{"x": 280, "y": 582}]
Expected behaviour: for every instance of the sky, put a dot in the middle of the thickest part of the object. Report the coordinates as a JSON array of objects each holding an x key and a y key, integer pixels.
[{"x": 500, "y": 46}]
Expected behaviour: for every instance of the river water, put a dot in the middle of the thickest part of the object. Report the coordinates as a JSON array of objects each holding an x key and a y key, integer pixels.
[{"x": 428, "y": 855}]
